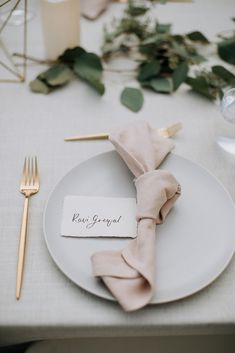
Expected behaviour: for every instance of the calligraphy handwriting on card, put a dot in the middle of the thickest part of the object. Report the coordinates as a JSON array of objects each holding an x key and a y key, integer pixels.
[
  {"x": 87, "y": 216},
  {"x": 89, "y": 223}
]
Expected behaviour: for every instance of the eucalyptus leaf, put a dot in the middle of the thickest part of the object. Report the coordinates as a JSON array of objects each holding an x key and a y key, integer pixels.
[
  {"x": 131, "y": 25},
  {"x": 200, "y": 85},
  {"x": 132, "y": 98},
  {"x": 181, "y": 50},
  {"x": 162, "y": 85},
  {"x": 179, "y": 75},
  {"x": 223, "y": 73},
  {"x": 70, "y": 55},
  {"x": 226, "y": 50},
  {"x": 136, "y": 10},
  {"x": 178, "y": 37},
  {"x": 97, "y": 85},
  {"x": 155, "y": 38},
  {"x": 149, "y": 70},
  {"x": 196, "y": 59},
  {"x": 89, "y": 67},
  {"x": 39, "y": 86},
  {"x": 57, "y": 75},
  {"x": 197, "y": 36},
  {"x": 163, "y": 27}
]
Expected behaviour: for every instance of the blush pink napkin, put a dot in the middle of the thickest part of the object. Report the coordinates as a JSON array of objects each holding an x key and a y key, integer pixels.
[{"x": 129, "y": 273}]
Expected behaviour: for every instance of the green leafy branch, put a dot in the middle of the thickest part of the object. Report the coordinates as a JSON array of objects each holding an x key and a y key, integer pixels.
[
  {"x": 73, "y": 62},
  {"x": 163, "y": 59},
  {"x": 211, "y": 83}
]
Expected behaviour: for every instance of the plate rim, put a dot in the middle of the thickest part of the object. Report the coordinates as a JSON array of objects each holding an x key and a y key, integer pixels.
[{"x": 108, "y": 296}]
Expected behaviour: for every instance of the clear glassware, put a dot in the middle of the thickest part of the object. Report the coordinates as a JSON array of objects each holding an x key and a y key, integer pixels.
[{"x": 226, "y": 125}]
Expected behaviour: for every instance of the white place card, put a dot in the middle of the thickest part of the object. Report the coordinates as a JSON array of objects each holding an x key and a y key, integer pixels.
[{"x": 88, "y": 216}]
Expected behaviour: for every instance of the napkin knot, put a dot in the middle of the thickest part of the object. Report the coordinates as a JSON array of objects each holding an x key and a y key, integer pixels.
[{"x": 157, "y": 191}]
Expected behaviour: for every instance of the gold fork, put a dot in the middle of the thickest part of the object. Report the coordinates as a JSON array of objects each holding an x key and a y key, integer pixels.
[
  {"x": 28, "y": 187},
  {"x": 169, "y": 131}
]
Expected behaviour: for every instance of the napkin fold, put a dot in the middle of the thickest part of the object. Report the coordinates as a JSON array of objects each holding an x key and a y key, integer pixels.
[{"x": 129, "y": 273}]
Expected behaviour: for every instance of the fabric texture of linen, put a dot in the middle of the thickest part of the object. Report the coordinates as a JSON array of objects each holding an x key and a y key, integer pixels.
[{"x": 129, "y": 273}]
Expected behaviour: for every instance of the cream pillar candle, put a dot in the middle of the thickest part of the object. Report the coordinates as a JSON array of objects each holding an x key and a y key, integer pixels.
[{"x": 61, "y": 25}]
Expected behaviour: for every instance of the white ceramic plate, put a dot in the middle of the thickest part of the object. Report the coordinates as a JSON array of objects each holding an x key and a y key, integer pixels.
[{"x": 193, "y": 247}]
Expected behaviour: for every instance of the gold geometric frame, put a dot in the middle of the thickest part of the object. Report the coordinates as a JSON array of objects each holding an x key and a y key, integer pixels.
[{"x": 14, "y": 69}]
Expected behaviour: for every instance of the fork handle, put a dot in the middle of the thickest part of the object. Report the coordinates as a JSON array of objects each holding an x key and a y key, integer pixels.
[{"x": 21, "y": 251}]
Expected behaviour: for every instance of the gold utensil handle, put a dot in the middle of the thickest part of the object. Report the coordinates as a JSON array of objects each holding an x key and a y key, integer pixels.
[
  {"x": 22, "y": 246},
  {"x": 169, "y": 131},
  {"x": 102, "y": 136}
]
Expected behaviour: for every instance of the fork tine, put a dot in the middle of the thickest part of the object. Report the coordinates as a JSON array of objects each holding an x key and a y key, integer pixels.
[
  {"x": 36, "y": 170},
  {"x": 33, "y": 170},
  {"x": 30, "y": 177},
  {"x": 34, "y": 162},
  {"x": 28, "y": 172}
]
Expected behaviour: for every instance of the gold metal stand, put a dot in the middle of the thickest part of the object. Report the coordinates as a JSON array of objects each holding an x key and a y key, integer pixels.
[{"x": 10, "y": 65}]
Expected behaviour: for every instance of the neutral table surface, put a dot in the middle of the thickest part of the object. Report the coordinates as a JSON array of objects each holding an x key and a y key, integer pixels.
[{"x": 52, "y": 306}]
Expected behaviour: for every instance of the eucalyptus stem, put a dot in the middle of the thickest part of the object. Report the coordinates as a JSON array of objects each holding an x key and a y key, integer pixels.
[
  {"x": 36, "y": 60},
  {"x": 121, "y": 71}
]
